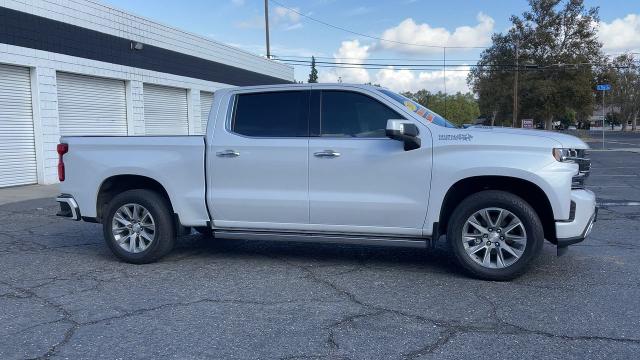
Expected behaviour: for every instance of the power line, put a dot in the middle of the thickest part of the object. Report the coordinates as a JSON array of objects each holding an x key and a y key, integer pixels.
[
  {"x": 374, "y": 59},
  {"x": 373, "y": 37},
  {"x": 440, "y": 67},
  {"x": 375, "y": 64}
]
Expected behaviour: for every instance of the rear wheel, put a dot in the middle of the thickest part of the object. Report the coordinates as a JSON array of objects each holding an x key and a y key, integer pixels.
[
  {"x": 494, "y": 235},
  {"x": 138, "y": 226}
]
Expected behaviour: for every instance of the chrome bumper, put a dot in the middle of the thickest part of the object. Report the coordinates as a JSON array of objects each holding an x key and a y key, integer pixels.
[{"x": 68, "y": 207}]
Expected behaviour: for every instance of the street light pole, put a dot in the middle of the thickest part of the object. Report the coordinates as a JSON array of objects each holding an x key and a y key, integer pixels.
[
  {"x": 603, "y": 117},
  {"x": 266, "y": 25}
]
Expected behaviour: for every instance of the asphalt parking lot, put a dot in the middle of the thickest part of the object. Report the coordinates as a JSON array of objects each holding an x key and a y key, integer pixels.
[{"x": 63, "y": 295}]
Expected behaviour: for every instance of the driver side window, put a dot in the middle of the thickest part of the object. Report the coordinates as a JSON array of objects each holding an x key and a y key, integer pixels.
[{"x": 351, "y": 114}]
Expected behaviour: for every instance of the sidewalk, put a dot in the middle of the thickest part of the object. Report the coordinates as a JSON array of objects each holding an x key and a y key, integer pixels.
[{"x": 27, "y": 192}]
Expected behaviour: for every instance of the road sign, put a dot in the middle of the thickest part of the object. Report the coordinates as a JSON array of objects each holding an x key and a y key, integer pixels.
[
  {"x": 527, "y": 123},
  {"x": 603, "y": 87}
]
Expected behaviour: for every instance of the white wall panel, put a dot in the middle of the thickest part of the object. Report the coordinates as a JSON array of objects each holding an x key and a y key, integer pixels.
[
  {"x": 91, "y": 105},
  {"x": 17, "y": 144},
  {"x": 165, "y": 110},
  {"x": 206, "y": 100}
]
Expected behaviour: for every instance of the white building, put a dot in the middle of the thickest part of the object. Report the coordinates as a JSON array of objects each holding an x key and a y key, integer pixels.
[{"x": 78, "y": 67}]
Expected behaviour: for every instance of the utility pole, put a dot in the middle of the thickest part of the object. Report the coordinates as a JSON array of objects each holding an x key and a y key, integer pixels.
[
  {"x": 444, "y": 78},
  {"x": 266, "y": 25},
  {"x": 515, "y": 91}
]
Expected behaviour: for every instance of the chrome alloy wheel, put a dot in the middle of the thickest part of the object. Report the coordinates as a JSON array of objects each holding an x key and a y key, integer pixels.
[
  {"x": 133, "y": 228},
  {"x": 494, "y": 237}
]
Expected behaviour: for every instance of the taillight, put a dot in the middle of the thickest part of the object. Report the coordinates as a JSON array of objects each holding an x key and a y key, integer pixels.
[{"x": 62, "y": 149}]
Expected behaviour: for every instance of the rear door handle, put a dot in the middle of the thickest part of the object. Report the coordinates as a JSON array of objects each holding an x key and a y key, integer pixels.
[
  {"x": 326, "y": 154},
  {"x": 227, "y": 153}
]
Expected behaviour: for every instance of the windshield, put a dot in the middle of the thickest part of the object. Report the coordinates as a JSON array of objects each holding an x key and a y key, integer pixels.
[{"x": 418, "y": 109}]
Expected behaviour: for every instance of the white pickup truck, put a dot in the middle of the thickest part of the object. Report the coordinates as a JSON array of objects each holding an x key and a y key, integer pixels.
[{"x": 334, "y": 163}]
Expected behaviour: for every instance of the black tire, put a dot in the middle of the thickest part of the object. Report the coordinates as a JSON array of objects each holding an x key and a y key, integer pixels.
[
  {"x": 160, "y": 210},
  {"x": 500, "y": 199}
]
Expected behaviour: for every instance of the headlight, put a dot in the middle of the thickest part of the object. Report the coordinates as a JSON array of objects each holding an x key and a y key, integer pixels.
[
  {"x": 578, "y": 156},
  {"x": 565, "y": 155}
]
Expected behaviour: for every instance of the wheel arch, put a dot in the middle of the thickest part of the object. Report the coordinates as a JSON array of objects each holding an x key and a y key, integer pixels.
[
  {"x": 116, "y": 184},
  {"x": 527, "y": 190}
]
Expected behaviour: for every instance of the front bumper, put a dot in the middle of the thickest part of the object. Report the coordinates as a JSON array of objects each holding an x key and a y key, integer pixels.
[
  {"x": 580, "y": 224},
  {"x": 68, "y": 207}
]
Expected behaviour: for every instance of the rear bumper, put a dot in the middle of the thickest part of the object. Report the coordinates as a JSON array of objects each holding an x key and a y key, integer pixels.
[
  {"x": 68, "y": 207},
  {"x": 580, "y": 225}
]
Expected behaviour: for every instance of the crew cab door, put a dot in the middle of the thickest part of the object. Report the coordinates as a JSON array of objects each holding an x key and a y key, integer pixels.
[
  {"x": 259, "y": 164},
  {"x": 360, "y": 181}
]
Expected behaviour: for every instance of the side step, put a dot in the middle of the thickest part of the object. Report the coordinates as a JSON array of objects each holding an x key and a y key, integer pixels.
[{"x": 322, "y": 238}]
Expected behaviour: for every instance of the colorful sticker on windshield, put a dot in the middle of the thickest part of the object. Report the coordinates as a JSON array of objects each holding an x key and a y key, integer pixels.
[
  {"x": 411, "y": 106},
  {"x": 424, "y": 113}
]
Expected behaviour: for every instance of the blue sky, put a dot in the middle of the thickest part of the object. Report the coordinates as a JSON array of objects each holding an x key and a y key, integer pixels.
[{"x": 456, "y": 22}]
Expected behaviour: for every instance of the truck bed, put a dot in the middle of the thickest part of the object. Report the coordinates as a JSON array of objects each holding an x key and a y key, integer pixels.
[{"x": 176, "y": 162}]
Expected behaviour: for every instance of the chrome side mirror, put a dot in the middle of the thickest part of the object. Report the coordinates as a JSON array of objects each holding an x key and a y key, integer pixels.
[{"x": 405, "y": 131}]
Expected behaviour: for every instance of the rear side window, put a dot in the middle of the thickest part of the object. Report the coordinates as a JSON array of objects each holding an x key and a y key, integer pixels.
[
  {"x": 272, "y": 114},
  {"x": 351, "y": 114}
]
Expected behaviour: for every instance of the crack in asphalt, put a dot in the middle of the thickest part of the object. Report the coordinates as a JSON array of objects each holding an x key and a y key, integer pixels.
[{"x": 449, "y": 329}]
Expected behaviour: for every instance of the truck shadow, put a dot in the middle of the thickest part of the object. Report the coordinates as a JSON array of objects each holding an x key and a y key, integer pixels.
[{"x": 318, "y": 254}]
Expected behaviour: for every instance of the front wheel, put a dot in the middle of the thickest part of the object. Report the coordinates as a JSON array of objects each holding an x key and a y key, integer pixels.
[
  {"x": 494, "y": 235},
  {"x": 138, "y": 226}
]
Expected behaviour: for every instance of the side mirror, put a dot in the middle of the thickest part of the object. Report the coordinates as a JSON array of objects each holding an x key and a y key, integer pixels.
[{"x": 405, "y": 131}]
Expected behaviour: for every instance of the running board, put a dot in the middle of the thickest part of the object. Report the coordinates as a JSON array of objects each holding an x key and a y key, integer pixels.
[{"x": 322, "y": 238}]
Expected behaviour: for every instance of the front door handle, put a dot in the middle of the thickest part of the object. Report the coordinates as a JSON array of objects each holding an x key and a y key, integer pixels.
[
  {"x": 326, "y": 154},
  {"x": 227, "y": 153}
]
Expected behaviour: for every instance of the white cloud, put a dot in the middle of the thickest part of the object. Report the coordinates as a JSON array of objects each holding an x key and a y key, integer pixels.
[
  {"x": 407, "y": 80},
  {"x": 282, "y": 14},
  {"x": 237, "y": 2},
  {"x": 256, "y": 22},
  {"x": 621, "y": 34},
  {"x": 408, "y": 31},
  {"x": 353, "y": 53}
]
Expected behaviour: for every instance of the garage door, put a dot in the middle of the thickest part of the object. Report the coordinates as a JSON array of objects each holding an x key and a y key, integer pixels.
[
  {"x": 90, "y": 105},
  {"x": 17, "y": 145},
  {"x": 165, "y": 110},
  {"x": 206, "y": 99}
]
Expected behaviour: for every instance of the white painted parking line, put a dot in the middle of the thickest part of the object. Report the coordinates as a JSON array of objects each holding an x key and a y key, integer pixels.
[
  {"x": 629, "y": 203},
  {"x": 620, "y": 142},
  {"x": 616, "y": 167},
  {"x": 615, "y": 175}
]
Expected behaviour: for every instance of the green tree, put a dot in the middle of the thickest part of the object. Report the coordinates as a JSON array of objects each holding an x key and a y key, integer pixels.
[
  {"x": 623, "y": 72},
  {"x": 313, "y": 75},
  {"x": 460, "y": 108},
  {"x": 554, "y": 43}
]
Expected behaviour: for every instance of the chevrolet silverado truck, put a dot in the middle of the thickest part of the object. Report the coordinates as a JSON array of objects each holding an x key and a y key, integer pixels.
[{"x": 334, "y": 163}]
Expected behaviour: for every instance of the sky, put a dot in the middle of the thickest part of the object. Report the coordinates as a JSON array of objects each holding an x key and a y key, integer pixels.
[{"x": 456, "y": 23}]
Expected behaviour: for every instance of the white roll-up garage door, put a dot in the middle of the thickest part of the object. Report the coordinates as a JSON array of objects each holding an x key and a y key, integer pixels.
[
  {"x": 90, "y": 105},
  {"x": 17, "y": 145},
  {"x": 165, "y": 110},
  {"x": 206, "y": 99}
]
